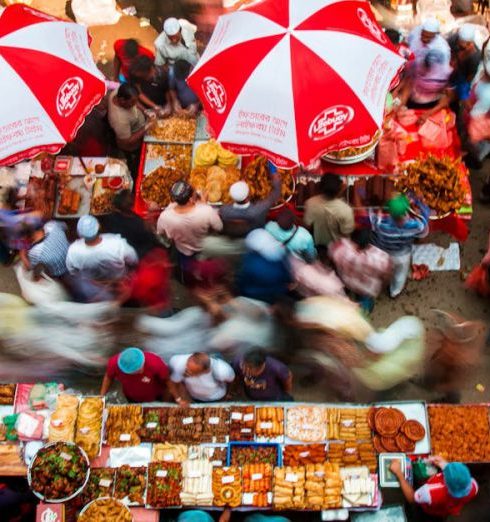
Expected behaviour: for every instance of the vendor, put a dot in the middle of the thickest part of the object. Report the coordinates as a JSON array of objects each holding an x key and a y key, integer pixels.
[
  {"x": 426, "y": 37},
  {"x": 445, "y": 494},
  {"x": 176, "y": 42},
  {"x": 143, "y": 375},
  {"x": 183, "y": 99}
]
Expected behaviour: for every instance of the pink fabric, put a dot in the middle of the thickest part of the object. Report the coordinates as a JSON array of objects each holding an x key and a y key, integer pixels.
[{"x": 315, "y": 279}]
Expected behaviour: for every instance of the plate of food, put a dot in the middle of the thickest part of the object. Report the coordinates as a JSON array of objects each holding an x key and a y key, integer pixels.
[
  {"x": 105, "y": 509},
  {"x": 172, "y": 155},
  {"x": 58, "y": 472},
  {"x": 351, "y": 155},
  {"x": 173, "y": 130},
  {"x": 103, "y": 192}
]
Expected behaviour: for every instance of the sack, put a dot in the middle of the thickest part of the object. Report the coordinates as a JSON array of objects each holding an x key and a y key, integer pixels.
[
  {"x": 46, "y": 290},
  {"x": 477, "y": 280}
]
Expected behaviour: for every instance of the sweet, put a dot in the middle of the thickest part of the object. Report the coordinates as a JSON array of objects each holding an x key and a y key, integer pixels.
[
  {"x": 323, "y": 486},
  {"x": 63, "y": 419},
  {"x": 306, "y": 423},
  {"x": 89, "y": 425},
  {"x": 227, "y": 487},
  {"x": 413, "y": 430},
  {"x": 388, "y": 421},
  {"x": 289, "y": 488},
  {"x": 392, "y": 429}
]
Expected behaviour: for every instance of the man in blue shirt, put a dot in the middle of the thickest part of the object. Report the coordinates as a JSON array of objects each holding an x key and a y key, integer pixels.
[{"x": 183, "y": 99}]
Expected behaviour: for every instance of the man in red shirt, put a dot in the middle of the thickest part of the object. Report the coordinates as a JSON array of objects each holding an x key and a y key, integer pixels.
[
  {"x": 125, "y": 52},
  {"x": 143, "y": 375},
  {"x": 444, "y": 494}
]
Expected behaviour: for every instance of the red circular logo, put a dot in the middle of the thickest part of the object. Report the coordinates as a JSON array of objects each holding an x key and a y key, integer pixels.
[
  {"x": 69, "y": 95},
  {"x": 215, "y": 93},
  {"x": 330, "y": 121}
]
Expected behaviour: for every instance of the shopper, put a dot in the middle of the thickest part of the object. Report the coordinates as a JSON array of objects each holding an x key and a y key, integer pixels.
[
  {"x": 445, "y": 494},
  {"x": 328, "y": 214},
  {"x": 363, "y": 268},
  {"x": 142, "y": 375},
  {"x": 426, "y": 37},
  {"x": 263, "y": 378},
  {"x": 199, "y": 377},
  {"x": 183, "y": 99},
  {"x": 125, "y": 52},
  {"x": 396, "y": 233},
  {"x": 176, "y": 42}
]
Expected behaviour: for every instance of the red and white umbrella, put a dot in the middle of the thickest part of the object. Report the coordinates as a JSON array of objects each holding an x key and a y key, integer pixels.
[
  {"x": 295, "y": 79},
  {"x": 49, "y": 82}
]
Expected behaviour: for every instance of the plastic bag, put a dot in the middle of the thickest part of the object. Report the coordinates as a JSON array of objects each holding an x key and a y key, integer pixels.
[
  {"x": 45, "y": 290},
  {"x": 477, "y": 280}
]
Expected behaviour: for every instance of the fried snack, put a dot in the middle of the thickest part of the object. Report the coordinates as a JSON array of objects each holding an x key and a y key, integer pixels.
[
  {"x": 206, "y": 154},
  {"x": 154, "y": 426},
  {"x": 437, "y": 181},
  {"x": 348, "y": 424},
  {"x": 323, "y": 486},
  {"x": 227, "y": 487},
  {"x": 156, "y": 185},
  {"x": 460, "y": 433},
  {"x": 169, "y": 452},
  {"x": 174, "y": 129},
  {"x": 185, "y": 425},
  {"x": 226, "y": 158},
  {"x": 7, "y": 394},
  {"x": 350, "y": 152},
  {"x": 100, "y": 484},
  {"x": 254, "y": 454},
  {"x": 390, "y": 444},
  {"x": 405, "y": 444},
  {"x": 306, "y": 423},
  {"x": 371, "y": 417},
  {"x": 352, "y": 454},
  {"x": 242, "y": 423},
  {"x": 123, "y": 424},
  {"x": 198, "y": 178},
  {"x": 89, "y": 425},
  {"x": 413, "y": 430},
  {"x": 257, "y": 485},
  {"x": 69, "y": 202},
  {"x": 164, "y": 480},
  {"x": 378, "y": 444},
  {"x": 102, "y": 203},
  {"x": 131, "y": 484},
  {"x": 63, "y": 419},
  {"x": 173, "y": 155},
  {"x": 197, "y": 487},
  {"x": 388, "y": 421},
  {"x": 257, "y": 177},
  {"x": 216, "y": 455},
  {"x": 216, "y": 425},
  {"x": 301, "y": 454},
  {"x": 289, "y": 488},
  {"x": 269, "y": 422},
  {"x": 106, "y": 510}
]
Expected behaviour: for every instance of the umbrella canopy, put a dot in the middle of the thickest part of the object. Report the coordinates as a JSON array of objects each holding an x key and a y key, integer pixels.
[
  {"x": 49, "y": 82},
  {"x": 295, "y": 79}
]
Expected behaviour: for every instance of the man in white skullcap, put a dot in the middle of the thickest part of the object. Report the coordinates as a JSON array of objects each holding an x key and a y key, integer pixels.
[
  {"x": 176, "y": 42},
  {"x": 426, "y": 37}
]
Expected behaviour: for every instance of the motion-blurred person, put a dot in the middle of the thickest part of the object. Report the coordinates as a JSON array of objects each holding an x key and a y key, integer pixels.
[
  {"x": 426, "y": 37},
  {"x": 396, "y": 233},
  {"x": 199, "y": 377},
  {"x": 363, "y": 268},
  {"x": 263, "y": 378},
  {"x": 152, "y": 85},
  {"x": 183, "y": 99},
  {"x": 328, "y": 214},
  {"x": 188, "y": 220},
  {"x": 176, "y": 42},
  {"x": 444, "y": 494},
  {"x": 125, "y": 52},
  {"x": 142, "y": 375},
  {"x": 101, "y": 259},
  {"x": 265, "y": 272}
]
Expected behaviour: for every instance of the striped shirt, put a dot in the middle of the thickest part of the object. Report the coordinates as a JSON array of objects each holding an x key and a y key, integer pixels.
[
  {"x": 51, "y": 251},
  {"x": 397, "y": 238}
]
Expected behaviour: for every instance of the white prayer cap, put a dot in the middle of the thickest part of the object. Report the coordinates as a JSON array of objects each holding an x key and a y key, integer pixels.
[
  {"x": 239, "y": 191},
  {"x": 88, "y": 227},
  {"x": 431, "y": 25},
  {"x": 466, "y": 33},
  {"x": 171, "y": 26}
]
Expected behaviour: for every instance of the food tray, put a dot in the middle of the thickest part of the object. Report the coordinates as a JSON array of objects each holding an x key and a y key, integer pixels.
[
  {"x": 413, "y": 410},
  {"x": 351, "y": 159},
  {"x": 231, "y": 445},
  {"x": 288, "y": 440},
  {"x": 126, "y": 500},
  {"x": 77, "y": 184},
  {"x": 152, "y": 139},
  {"x": 99, "y": 190},
  {"x": 104, "y": 417},
  {"x": 105, "y": 498},
  {"x": 60, "y": 500}
]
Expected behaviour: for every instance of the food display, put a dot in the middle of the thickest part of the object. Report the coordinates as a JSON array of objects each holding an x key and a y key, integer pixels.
[
  {"x": 257, "y": 485},
  {"x": 174, "y": 129},
  {"x": 353, "y": 453},
  {"x": 69, "y": 202},
  {"x": 348, "y": 424},
  {"x": 123, "y": 424},
  {"x": 185, "y": 425},
  {"x": 164, "y": 480},
  {"x": 211, "y": 153},
  {"x": 41, "y": 195},
  {"x": 349, "y": 153},
  {"x": 169, "y": 452},
  {"x": 171, "y": 154},
  {"x": 306, "y": 423},
  {"x": 7, "y": 394},
  {"x": 323, "y": 486},
  {"x": 216, "y": 455},
  {"x": 154, "y": 426},
  {"x": 105, "y": 510},
  {"x": 269, "y": 422},
  {"x": 437, "y": 181},
  {"x": 242, "y": 423},
  {"x": 359, "y": 488},
  {"x": 301, "y": 454},
  {"x": 254, "y": 454},
  {"x": 89, "y": 425},
  {"x": 63, "y": 419},
  {"x": 58, "y": 472},
  {"x": 156, "y": 185},
  {"x": 102, "y": 203},
  {"x": 227, "y": 487},
  {"x": 197, "y": 484},
  {"x": 460, "y": 433},
  {"x": 393, "y": 432},
  {"x": 130, "y": 484},
  {"x": 11, "y": 460},
  {"x": 214, "y": 182},
  {"x": 257, "y": 176},
  {"x": 216, "y": 425},
  {"x": 100, "y": 484},
  {"x": 289, "y": 488}
]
